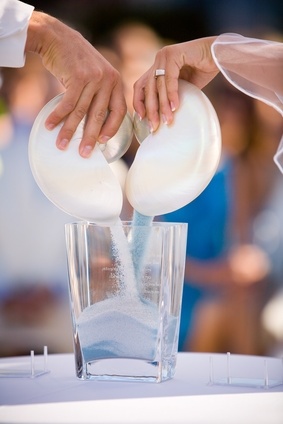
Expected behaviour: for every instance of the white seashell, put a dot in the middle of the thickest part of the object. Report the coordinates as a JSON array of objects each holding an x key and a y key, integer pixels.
[
  {"x": 175, "y": 164},
  {"x": 84, "y": 188}
]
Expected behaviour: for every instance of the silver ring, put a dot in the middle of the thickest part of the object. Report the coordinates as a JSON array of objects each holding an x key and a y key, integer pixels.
[{"x": 159, "y": 73}]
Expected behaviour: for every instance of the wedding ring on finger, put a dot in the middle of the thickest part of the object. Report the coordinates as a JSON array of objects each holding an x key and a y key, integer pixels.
[{"x": 159, "y": 73}]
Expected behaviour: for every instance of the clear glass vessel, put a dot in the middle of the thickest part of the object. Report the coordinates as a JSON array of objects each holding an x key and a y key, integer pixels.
[{"x": 126, "y": 285}]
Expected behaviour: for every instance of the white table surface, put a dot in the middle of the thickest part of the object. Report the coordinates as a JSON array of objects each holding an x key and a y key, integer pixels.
[{"x": 59, "y": 397}]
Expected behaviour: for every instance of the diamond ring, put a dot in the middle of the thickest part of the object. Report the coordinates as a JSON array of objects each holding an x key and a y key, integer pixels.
[{"x": 159, "y": 72}]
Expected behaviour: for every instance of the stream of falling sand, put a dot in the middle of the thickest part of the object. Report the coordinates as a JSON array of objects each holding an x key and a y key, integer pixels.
[{"x": 126, "y": 324}]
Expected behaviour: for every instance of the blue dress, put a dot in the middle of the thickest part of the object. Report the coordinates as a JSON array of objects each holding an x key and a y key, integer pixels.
[{"x": 207, "y": 218}]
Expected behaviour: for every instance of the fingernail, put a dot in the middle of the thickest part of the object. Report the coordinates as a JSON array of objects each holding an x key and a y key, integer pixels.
[
  {"x": 86, "y": 152},
  {"x": 49, "y": 126},
  {"x": 150, "y": 126},
  {"x": 172, "y": 106},
  {"x": 164, "y": 120},
  {"x": 103, "y": 139},
  {"x": 63, "y": 144}
]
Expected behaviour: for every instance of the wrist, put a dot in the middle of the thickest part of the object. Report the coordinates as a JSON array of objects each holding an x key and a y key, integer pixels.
[{"x": 40, "y": 32}]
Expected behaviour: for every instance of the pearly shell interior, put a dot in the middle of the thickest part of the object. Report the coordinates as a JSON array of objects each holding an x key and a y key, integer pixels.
[
  {"x": 174, "y": 165},
  {"x": 84, "y": 188}
]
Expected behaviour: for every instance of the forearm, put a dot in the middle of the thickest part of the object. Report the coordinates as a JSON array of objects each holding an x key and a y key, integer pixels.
[
  {"x": 213, "y": 273},
  {"x": 39, "y": 31},
  {"x": 46, "y": 32},
  {"x": 245, "y": 264}
]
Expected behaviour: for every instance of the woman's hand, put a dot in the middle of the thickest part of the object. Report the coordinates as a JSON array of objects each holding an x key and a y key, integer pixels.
[{"x": 156, "y": 97}]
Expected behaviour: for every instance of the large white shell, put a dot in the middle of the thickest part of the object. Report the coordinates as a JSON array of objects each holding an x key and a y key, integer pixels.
[
  {"x": 174, "y": 165},
  {"x": 84, "y": 188}
]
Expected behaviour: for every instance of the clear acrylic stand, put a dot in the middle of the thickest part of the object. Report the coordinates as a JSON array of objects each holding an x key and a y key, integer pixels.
[
  {"x": 26, "y": 369},
  {"x": 263, "y": 381}
]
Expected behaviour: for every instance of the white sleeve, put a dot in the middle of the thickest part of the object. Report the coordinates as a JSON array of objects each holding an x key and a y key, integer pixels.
[
  {"x": 14, "y": 19},
  {"x": 255, "y": 67}
]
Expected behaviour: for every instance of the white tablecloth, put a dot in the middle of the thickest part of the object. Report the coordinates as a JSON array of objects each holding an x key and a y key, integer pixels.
[{"x": 59, "y": 397}]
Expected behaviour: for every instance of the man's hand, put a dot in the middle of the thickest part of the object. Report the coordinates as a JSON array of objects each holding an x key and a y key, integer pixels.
[{"x": 93, "y": 87}]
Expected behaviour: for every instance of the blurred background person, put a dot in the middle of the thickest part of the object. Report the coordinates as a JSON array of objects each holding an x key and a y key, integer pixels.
[
  {"x": 33, "y": 273},
  {"x": 228, "y": 275},
  {"x": 267, "y": 229},
  {"x": 248, "y": 184},
  {"x": 225, "y": 272},
  {"x": 226, "y": 203},
  {"x": 34, "y": 303}
]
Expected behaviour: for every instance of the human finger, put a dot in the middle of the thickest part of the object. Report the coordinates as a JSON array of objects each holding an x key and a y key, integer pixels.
[
  {"x": 117, "y": 109},
  {"x": 168, "y": 97},
  {"x": 139, "y": 96},
  {"x": 71, "y": 109},
  {"x": 66, "y": 105},
  {"x": 104, "y": 118},
  {"x": 94, "y": 119},
  {"x": 163, "y": 104},
  {"x": 151, "y": 101},
  {"x": 145, "y": 99},
  {"x": 81, "y": 110}
]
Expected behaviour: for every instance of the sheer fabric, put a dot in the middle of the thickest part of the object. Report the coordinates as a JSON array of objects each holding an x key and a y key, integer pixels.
[{"x": 255, "y": 67}]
